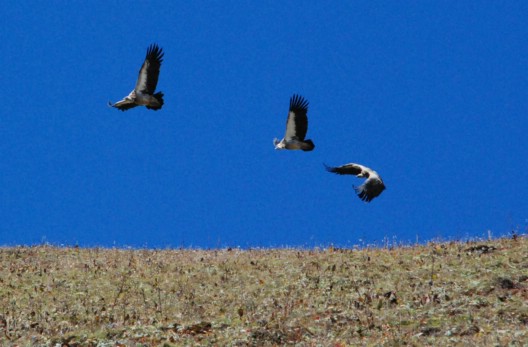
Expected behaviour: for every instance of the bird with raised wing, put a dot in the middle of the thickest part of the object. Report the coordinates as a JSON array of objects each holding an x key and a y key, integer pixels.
[
  {"x": 143, "y": 93},
  {"x": 370, "y": 189},
  {"x": 296, "y": 126}
]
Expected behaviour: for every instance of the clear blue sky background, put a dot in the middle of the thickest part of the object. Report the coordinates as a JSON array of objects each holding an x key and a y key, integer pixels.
[{"x": 431, "y": 94}]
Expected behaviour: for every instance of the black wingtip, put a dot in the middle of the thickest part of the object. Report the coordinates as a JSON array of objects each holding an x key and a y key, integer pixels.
[
  {"x": 155, "y": 52},
  {"x": 362, "y": 194},
  {"x": 330, "y": 168},
  {"x": 297, "y": 102}
]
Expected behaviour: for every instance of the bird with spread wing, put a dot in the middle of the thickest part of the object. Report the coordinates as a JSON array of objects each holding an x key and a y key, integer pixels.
[
  {"x": 296, "y": 127},
  {"x": 143, "y": 93},
  {"x": 371, "y": 188}
]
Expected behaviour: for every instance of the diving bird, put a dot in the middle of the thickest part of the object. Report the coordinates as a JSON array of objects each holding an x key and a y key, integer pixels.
[
  {"x": 296, "y": 127},
  {"x": 143, "y": 93},
  {"x": 370, "y": 189}
]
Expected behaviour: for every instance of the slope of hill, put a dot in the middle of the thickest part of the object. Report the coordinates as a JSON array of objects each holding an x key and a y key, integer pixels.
[{"x": 473, "y": 293}]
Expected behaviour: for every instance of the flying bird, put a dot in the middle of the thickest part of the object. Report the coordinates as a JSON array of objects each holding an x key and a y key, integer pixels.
[
  {"x": 296, "y": 127},
  {"x": 143, "y": 93},
  {"x": 370, "y": 189}
]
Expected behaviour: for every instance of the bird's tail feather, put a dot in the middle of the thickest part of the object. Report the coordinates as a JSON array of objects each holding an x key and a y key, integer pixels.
[
  {"x": 309, "y": 146},
  {"x": 159, "y": 97}
]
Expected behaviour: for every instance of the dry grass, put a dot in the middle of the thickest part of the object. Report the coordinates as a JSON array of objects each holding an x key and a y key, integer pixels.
[{"x": 457, "y": 294}]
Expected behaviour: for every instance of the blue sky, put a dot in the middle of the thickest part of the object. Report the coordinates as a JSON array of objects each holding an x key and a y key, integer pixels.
[{"x": 431, "y": 95}]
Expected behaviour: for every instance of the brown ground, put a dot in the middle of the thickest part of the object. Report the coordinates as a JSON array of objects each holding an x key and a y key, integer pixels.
[{"x": 456, "y": 294}]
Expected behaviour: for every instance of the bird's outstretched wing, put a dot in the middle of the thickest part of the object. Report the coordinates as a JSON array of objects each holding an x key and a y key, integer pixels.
[
  {"x": 347, "y": 169},
  {"x": 123, "y": 105},
  {"x": 297, "y": 122},
  {"x": 371, "y": 188},
  {"x": 149, "y": 72}
]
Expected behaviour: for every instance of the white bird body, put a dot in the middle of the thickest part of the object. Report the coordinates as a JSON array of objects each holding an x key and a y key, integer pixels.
[
  {"x": 371, "y": 188},
  {"x": 296, "y": 127},
  {"x": 291, "y": 144},
  {"x": 143, "y": 93},
  {"x": 140, "y": 99}
]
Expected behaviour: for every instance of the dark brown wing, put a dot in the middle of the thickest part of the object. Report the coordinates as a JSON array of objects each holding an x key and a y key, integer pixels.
[
  {"x": 123, "y": 105},
  {"x": 370, "y": 189},
  {"x": 297, "y": 122},
  {"x": 347, "y": 169},
  {"x": 149, "y": 72}
]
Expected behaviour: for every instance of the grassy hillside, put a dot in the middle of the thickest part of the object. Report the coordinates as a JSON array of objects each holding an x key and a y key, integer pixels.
[{"x": 439, "y": 294}]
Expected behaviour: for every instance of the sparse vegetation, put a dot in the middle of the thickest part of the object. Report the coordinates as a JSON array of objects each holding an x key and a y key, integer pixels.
[{"x": 461, "y": 294}]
